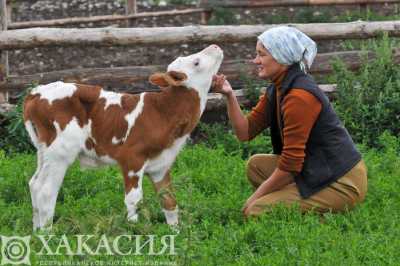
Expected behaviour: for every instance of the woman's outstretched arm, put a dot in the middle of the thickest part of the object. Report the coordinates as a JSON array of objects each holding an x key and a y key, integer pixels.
[{"x": 239, "y": 122}]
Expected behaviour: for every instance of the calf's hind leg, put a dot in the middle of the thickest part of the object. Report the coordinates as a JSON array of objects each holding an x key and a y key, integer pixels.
[
  {"x": 165, "y": 191},
  {"x": 33, "y": 188},
  {"x": 46, "y": 188}
]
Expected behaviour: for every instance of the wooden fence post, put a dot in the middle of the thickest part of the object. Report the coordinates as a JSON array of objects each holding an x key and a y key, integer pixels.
[
  {"x": 206, "y": 14},
  {"x": 3, "y": 54},
  {"x": 131, "y": 8}
]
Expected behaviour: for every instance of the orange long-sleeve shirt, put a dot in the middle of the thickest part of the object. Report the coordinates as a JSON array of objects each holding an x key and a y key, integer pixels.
[{"x": 300, "y": 111}]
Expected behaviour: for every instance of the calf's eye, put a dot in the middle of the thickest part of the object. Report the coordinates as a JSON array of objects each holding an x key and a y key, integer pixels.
[{"x": 197, "y": 62}]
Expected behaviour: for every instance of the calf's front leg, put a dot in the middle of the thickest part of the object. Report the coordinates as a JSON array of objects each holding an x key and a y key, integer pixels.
[{"x": 133, "y": 191}]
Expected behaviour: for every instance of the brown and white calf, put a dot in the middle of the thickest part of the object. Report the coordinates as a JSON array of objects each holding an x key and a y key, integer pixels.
[{"x": 141, "y": 133}]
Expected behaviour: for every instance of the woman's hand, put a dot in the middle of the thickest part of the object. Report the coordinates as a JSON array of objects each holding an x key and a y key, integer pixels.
[
  {"x": 249, "y": 202},
  {"x": 221, "y": 85}
]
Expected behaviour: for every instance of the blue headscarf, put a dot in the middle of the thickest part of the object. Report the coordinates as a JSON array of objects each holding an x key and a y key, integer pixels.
[{"x": 288, "y": 46}]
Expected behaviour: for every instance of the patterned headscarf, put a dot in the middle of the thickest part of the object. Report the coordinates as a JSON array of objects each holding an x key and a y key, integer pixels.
[{"x": 288, "y": 45}]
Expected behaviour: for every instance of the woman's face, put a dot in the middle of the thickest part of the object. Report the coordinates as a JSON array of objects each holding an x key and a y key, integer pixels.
[{"x": 267, "y": 66}]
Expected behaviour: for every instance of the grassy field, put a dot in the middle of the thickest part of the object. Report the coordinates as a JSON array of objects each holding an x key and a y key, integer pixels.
[{"x": 211, "y": 188}]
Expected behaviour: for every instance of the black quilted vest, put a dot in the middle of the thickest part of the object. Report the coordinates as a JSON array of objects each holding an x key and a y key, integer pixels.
[{"x": 330, "y": 151}]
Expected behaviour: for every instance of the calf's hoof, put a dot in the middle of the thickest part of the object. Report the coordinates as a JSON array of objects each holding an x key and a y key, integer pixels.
[{"x": 133, "y": 218}]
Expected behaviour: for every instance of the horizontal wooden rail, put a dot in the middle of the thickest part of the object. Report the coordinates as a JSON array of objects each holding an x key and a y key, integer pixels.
[
  {"x": 137, "y": 75},
  {"x": 276, "y": 3},
  {"x": 39, "y": 37},
  {"x": 78, "y": 20}
]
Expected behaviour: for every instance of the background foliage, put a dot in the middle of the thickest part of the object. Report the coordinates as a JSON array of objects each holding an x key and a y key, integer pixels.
[{"x": 368, "y": 101}]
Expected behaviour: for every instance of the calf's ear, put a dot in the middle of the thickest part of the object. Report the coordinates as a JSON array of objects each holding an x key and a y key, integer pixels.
[
  {"x": 176, "y": 78},
  {"x": 171, "y": 78},
  {"x": 159, "y": 79}
]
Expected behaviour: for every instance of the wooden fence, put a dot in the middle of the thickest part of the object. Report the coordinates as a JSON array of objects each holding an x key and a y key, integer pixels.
[
  {"x": 29, "y": 38},
  {"x": 126, "y": 76}
]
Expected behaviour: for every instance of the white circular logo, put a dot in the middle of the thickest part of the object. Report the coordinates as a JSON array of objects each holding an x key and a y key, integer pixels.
[{"x": 15, "y": 250}]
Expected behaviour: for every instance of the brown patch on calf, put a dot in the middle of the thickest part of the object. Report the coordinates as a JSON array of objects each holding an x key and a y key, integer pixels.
[
  {"x": 111, "y": 122},
  {"x": 166, "y": 116},
  {"x": 38, "y": 111},
  {"x": 43, "y": 114},
  {"x": 85, "y": 98}
]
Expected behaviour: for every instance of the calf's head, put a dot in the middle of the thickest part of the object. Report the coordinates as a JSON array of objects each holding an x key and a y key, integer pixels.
[{"x": 194, "y": 71}]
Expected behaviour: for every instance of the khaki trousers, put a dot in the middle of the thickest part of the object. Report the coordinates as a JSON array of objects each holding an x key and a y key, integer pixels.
[{"x": 343, "y": 194}]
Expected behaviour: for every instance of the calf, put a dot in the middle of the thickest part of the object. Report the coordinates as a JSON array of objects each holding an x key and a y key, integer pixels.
[{"x": 141, "y": 133}]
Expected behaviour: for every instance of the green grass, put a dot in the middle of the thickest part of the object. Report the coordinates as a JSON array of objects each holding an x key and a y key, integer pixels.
[{"x": 211, "y": 188}]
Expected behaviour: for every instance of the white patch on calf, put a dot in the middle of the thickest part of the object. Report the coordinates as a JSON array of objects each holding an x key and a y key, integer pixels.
[
  {"x": 135, "y": 195},
  {"x": 86, "y": 162},
  {"x": 105, "y": 159},
  {"x": 158, "y": 166},
  {"x": 88, "y": 129},
  {"x": 90, "y": 160},
  {"x": 131, "y": 201},
  {"x": 132, "y": 116},
  {"x": 57, "y": 127},
  {"x": 68, "y": 142},
  {"x": 171, "y": 216},
  {"x": 115, "y": 140},
  {"x": 32, "y": 134},
  {"x": 55, "y": 91},
  {"x": 111, "y": 98}
]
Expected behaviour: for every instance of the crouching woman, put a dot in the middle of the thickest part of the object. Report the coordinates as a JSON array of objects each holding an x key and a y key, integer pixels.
[{"x": 315, "y": 163}]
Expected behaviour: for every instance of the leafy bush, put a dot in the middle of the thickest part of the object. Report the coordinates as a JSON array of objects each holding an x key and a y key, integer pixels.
[
  {"x": 13, "y": 136},
  {"x": 253, "y": 88},
  {"x": 368, "y": 101}
]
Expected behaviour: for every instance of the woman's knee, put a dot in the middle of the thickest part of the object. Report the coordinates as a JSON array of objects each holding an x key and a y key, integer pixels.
[
  {"x": 261, "y": 164},
  {"x": 253, "y": 172},
  {"x": 251, "y": 166}
]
